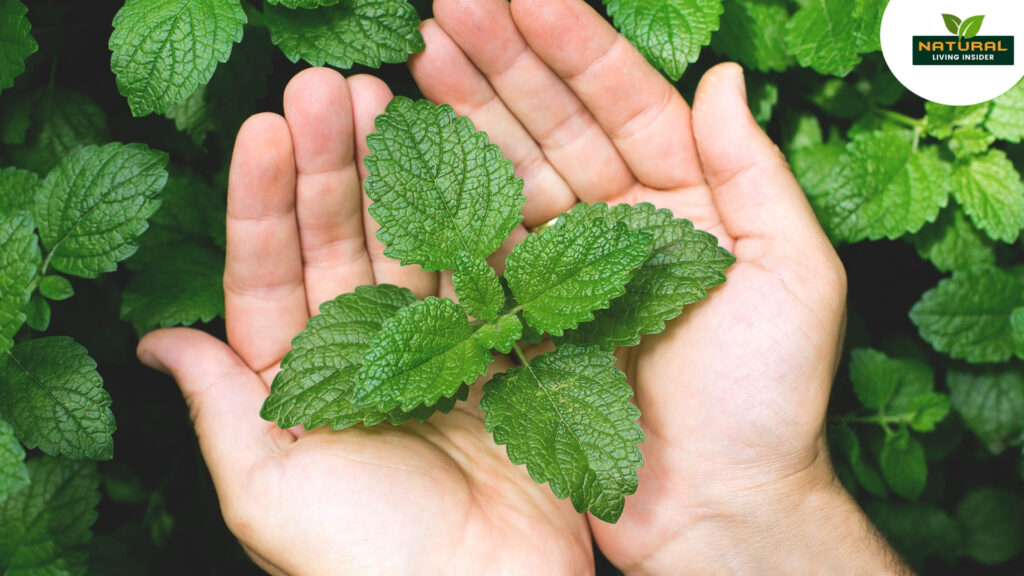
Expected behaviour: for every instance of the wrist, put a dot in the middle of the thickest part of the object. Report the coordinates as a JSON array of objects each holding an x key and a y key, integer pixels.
[{"x": 805, "y": 524}]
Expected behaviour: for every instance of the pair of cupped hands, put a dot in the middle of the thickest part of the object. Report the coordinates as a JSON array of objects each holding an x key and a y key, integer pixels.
[{"x": 736, "y": 476}]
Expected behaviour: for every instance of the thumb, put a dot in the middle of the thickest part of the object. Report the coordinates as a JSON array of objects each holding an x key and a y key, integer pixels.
[
  {"x": 753, "y": 188},
  {"x": 224, "y": 398}
]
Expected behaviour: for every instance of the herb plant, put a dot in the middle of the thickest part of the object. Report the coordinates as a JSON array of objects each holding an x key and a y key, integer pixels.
[
  {"x": 924, "y": 203},
  {"x": 600, "y": 277}
]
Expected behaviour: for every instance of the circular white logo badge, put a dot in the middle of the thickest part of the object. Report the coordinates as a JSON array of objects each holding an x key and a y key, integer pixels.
[{"x": 955, "y": 52}]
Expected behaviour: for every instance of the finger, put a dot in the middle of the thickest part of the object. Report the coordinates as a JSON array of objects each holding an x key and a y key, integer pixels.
[
  {"x": 224, "y": 398},
  {"x": 264, "y": 296},
  {"x": 756, "y": 193},
  {"x": 445, "y": 75},
  {"x": 646, "y": 118},
  {"x": 369, "y": 98},
  {"x": 328, "y": 196},
  {"x": 567, "y": 133}
]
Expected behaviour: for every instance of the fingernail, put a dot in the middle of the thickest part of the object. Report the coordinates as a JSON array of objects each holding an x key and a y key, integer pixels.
[
  {"x": 147, "y": 358},
  {"x": 741, "y": 83}
]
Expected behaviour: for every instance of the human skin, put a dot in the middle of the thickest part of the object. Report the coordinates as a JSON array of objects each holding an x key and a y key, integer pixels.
[{"x": 733, "y": 394}]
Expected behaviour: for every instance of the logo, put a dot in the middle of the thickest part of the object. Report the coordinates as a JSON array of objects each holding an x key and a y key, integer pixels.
[
  {"x": 954, "y": 52},
  {"x": 965, "y": 47}
]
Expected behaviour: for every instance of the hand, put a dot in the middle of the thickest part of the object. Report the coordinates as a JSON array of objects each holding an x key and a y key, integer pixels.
[
  {"x": 426, "y": 498},
  {"x": 734, "y": 393}
]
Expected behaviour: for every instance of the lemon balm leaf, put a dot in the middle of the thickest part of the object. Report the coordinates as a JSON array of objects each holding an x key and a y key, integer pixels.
[
  {"x": 163, "y": 50},
  {"x": 314, "y": 386},
  {"x": 567, "y": 416},
  {"x": 91, "y": 208},
  {"x": 990, "y": 190},
  {"x": 823, "y": 35},
  {"x": 991, "y": 403},
  {"x": 19, "y": 262},
  {"x": 968, "y": 316},
  {"x": 953, "y": 243},
  {"x": 13, "y": 474},
  {"x": 478, "y": 288},
  {"x": 440, "y": 189},
  {"x": 882, "y": 188},
  {"x": 45, "y": 527},
  {"x": 424, "y": 353},
  {"x": 669, "y": 33},
  {"x": 18, "y": 44},
  {"x": 368, "y": 32},
  {"x": 54, "y": 398},
  {"x": 561, "y": 275},
  {"x": 681, "y": 266}
]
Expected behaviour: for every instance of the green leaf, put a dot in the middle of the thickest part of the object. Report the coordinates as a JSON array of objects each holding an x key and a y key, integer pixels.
[
  {"x": 422, "y": 354},
  {"x": 1006, "y": 120},
  {"x": 439, "y": 188},
  {"x": 867, "y": 474},
  {"x": 990, "y": 190},
  {"x": 824, "y": 35},
  {"x": 927, "y": 411},
  {"x": 904, "y": 465},
  {"x": 174, "y": 285},
  {"x": 952, "y": 23},
  {"x": 752, "y": 34},
  {"x": 967, "y": 142},
  {"x": 302, "y": 3},
  {"x": 869, "y": 30},
  {"x": 941, "y": 120},
  {"x": 44, "y": 528},
  {"x": 669, "y": 33},
  {"x": 191, "y": 210},
  {"x": 561, "y": 275},
  {"x": 918, "y": 531},
  {"x": 56, "y": 288},
  {"x": 318, "y": 375},
  {"x": 13, "y": 474},
  {"x": 968, "y": 316},
  {"x": 37, "y": 313},
  {"x": 17, "y": 190},
  {"x": 233, "y": 93},
  {"x": 813, "y": 166},
  {"x": 970, "y": 27},
  {"x": 501, "y": 336},
  {"x": 993, "y": 524},
  {"x": 568, "y": 416},
  {"x": 900, "y": 390},
  {"x": 368, "y": 32},
  {"x": 478, "y": 288},
  {"x": 18, "y": 43},
  {"x": 92, "y": 207},
  {"x": 883, "y": 189},
  {"x": 952, "y": 243},
  {"x": 54, "y": 398},
  {"x": 60, "y": 121},
  {"x": 991, "y": 404},
  {"x": 1017, "y": 330},
  {"x": 165, "y": 49},
  {"x": 19, "y": 262},
  {"x": 681, "y": 266},
  {"x": 875, "y": 376}
]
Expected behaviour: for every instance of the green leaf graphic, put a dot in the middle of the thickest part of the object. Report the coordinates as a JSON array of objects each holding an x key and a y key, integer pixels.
[
  {"x": 952, "y": 23},
  {"x": 970, "y": 27}
]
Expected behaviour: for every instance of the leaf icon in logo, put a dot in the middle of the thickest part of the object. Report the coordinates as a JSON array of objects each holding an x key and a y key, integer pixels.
[
  {"x": 952, "y": 23},
  {"x": 970, "y": 27}
]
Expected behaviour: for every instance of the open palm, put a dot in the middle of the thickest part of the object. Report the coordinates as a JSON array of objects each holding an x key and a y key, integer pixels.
[
  {"x": 420, "y": 498},
  {"x": 733, "y": 394}
]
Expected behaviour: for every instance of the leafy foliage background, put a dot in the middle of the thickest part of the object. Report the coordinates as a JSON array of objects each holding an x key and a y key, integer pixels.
[{"x": 927, "y": 417}]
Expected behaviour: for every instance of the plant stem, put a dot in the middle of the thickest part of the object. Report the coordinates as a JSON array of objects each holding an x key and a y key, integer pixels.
[{"x": 908, "y": 121}]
